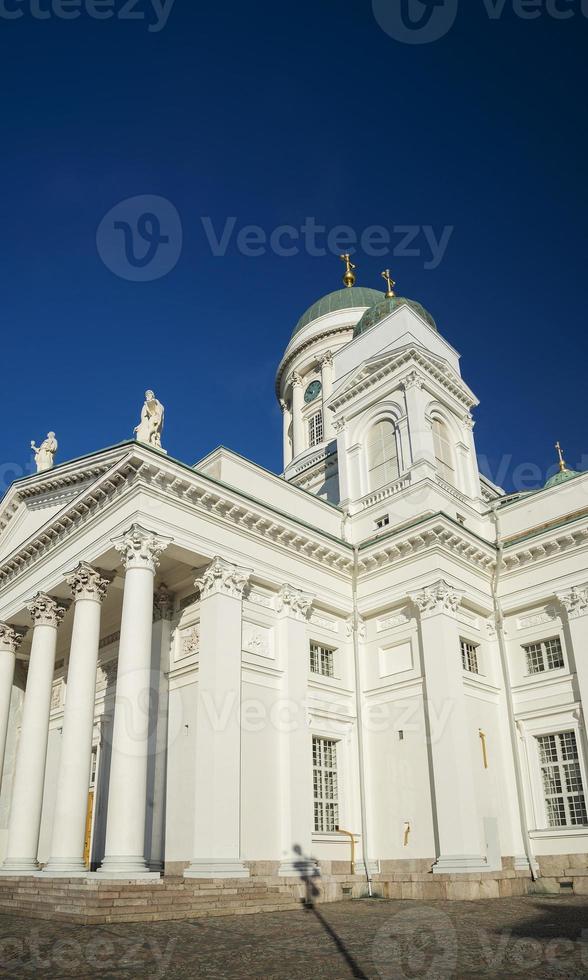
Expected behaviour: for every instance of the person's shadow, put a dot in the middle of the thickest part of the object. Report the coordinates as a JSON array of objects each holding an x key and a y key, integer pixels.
[{"x": 309, "y": 873}]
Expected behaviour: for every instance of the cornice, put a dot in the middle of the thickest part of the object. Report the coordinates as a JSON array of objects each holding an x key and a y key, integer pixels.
[
  {"x": 549, "y": 547},
  {"x": 184, "y": 484},
  {"x": 299, "y": 348},
  {"x": 383, "y": 365},
  {"x": 438, "y": 531}
]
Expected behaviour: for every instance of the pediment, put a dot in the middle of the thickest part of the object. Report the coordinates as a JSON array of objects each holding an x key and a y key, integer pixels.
[
  {"x": 400, "y": 360},
  {"x": 32, "y": 501}
]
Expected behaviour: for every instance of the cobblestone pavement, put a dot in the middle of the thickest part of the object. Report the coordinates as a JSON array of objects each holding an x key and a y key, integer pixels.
[{"x": 523, "y": 937}]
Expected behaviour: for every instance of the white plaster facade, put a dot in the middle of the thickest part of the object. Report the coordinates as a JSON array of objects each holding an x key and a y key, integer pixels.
[{"x": 158, "y": 620}]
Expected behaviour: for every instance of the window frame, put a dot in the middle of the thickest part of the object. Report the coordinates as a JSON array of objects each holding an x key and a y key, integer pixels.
[
  {"x": 465, "y": 655},
  {"x": 315, "y": 428},
  {"x": 446, "y": 468},
  {"x": 388, "y": 461},
  {"x": 559, "y": 763},
  {"x": 326, "y": 808},
  {"x": 545, "y": 668},
  {"x": 323, "y": 649}
]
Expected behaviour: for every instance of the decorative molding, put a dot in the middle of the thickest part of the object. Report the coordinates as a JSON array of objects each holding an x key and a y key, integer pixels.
[
  {"x": 57, "y": 694},
  {"x": 413, "y": 380},
  {"x": 391, "y": 622},
  {"x": 11, "y": 637},
  {"x": 538, "y": 619},
  {"x": 295, "y": 603},
  {"x": 575, "y": 602},
  {"x": 260, "y": 598},
  {"x": 326, "y": 359},
  {"x": 326, "y": 624},
  {"x": 296, "y": 380},
  {"x": 361, "y": 629},
  {"x": 256, "y": 640},
  {"x": 189, "y": 642},
  {"x": 163, "y": 603},
  {"x": 86, "y": 582},
  {"x": 140, "y": 548},
  {"x": 437, "y": 598},
  {"x": 45, "y": 611},
  {"x": 188, "y": 487},
  {"x": 223, "y": 578},
  {"x": 443, "y": 534}
]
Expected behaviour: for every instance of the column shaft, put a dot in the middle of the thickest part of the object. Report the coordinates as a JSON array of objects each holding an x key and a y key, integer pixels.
[
  {"x": 297, "y": 419},
  {"x": 217, "y": 818},
  {"x": 327, "y": 386},
  {"x": 69, "y": 822},
  {"x": 296, "y": 744},
  {"x": 127, "y": 796},
  {"x": 449, "y": 734},
  {"x": 27, "y": 791},
  {"x": 9, "y": 642}
]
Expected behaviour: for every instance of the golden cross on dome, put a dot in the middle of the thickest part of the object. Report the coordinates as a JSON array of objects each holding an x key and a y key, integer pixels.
[
  {"x": 349, "y": 277},
  {"x": 562, "y": 462},
  {"x": 388, "y": 277}
]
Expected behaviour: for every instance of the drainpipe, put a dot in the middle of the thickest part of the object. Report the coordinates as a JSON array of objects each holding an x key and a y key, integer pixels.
[
  {"x": 358, "y": 709},
  {"x": 508, "y": 691}
]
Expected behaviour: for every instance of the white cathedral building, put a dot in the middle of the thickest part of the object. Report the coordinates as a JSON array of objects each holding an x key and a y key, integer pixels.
[{"x": 213, "y": 671}]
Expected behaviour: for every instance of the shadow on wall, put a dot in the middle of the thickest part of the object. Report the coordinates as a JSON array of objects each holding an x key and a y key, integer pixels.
[{"x": 309, "y": 874}]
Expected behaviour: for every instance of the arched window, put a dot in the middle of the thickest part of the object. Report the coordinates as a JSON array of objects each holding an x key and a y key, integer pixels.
[
  {"x": 382, "y": 455},
  {"x": 443, "y": 451}
]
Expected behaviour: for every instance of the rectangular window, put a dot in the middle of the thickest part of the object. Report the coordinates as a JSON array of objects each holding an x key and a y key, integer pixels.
[
  {"x": 382, "y": 522},
  {"x": 562, "y": 780},
  {"x": 469, "y": 657},
  {"x": 544, "y": 655},
  {"x": 324, "y": 776},
  {"x": 322, "y": 660},
  {"x": 315, "y": 429}
]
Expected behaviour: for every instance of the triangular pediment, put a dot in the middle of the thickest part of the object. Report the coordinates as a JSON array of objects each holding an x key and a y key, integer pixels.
[{"x": 403, "y": 359}]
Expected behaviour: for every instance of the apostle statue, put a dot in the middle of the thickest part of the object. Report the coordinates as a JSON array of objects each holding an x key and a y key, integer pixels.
[
  {"x": 45, "y": 453},
  {"x": 151, "y": 424}
]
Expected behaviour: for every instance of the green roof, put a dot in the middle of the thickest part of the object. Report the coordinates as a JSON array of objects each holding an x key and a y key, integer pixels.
[
  {"x": 386, "y": 306},
  {"x": 561, "y": 477},
  {"x": 341, "y": 299}
]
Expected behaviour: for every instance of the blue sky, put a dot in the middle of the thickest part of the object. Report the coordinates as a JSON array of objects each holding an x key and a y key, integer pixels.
[{"x": 269, "y": 114}]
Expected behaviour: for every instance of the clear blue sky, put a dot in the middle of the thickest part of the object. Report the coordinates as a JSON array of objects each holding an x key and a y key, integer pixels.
[{"x": 271, "y": 113}]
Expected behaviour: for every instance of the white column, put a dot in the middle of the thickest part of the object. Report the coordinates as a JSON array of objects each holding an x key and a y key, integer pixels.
[
  {"x": 27, "y": 791},
  {"x": 163, "y": 604},
  {"x": 449, "y": 734},
  {"x": 326, "y": 363},
  {"x": 299, "y": 442},
  {"x": 10, "y": 639},
  {"x": 88, "y": 588},
  {"x": 296, "y": 740},
  {"x": 287, "y": 443},
  {"x": 127, "y": 795},
  {"x": 422, "y": 449},
  {"x": 217, "y": 817},
  {"x": 574, "y": 605}
]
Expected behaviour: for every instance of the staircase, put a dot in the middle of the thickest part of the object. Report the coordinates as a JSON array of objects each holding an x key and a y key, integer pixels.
[{"x": 90, "y": 902}]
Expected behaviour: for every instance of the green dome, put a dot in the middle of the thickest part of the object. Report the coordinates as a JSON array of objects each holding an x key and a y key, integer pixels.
[
  {"x": 385, "y": 306},
  {"x": 561, "y": 477},
  {"x": 341, "y": 299}
]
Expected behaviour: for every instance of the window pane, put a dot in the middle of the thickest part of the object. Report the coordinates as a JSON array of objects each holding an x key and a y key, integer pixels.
[
  {"x": 562, "y": 779},
  {"x": 382, "y": 455},
  {"x": 326, "y": 808}
]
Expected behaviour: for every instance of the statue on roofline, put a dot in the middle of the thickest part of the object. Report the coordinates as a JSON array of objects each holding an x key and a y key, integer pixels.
[
  {"x": 45, "y": 453},
  {"x": 151, "y": 425}
]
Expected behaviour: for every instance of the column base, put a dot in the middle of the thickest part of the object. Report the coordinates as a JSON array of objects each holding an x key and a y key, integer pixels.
[
  {"x": 454, "y": 864},
  {"x": 127, "y": 868},
  {"x": 202, "y": 868},
  {"x": 64, "y": 868},
  {"x": 16, "y": 867}
]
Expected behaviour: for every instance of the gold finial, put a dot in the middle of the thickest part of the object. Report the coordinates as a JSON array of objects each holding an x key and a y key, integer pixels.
[
  {"x": 562, "y": 462},
  {"x": 349, "y": 277},
  {"x": 388, "y": 277}
]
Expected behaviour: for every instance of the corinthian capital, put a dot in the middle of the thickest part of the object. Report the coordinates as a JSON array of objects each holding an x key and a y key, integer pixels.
[
  {"x": 87, "y": 583},
  {"x": 437, "y": 598},
  {"x": 295, "y": 603},
  {"x": 326, "y": 359},
  {"x": 10, "y": 637},
  {"x": 140, "y": 548},
  {"x": 45, "y": 611},
  {"x": 575, "y": 602},
  {"x": 296, "y": 379},
  {"x": 223, "y": 578}
]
